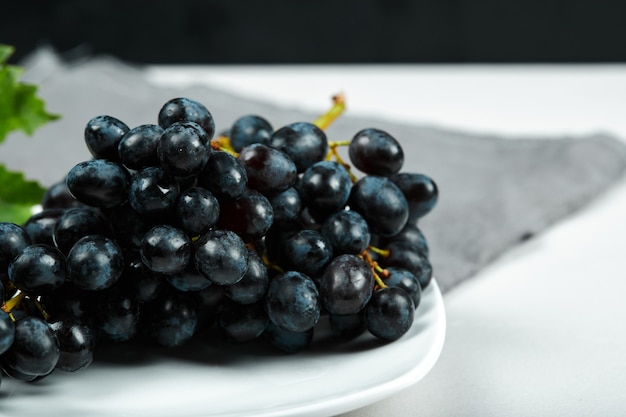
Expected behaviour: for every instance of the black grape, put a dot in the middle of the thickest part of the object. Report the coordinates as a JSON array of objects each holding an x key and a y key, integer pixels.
[
  {"x": 7, "y": 332},
  {"x": 153, "y": 192},
  {"x": 77, "y": 341},
  {"x": 253, "y": 286},
  {"x": 293, "y": 302},
  {"x": 304, "y": 142},
  {"x": 269, "y": 170},
  {"x": 13, "y": 239},
  {"x": 95, "y": 263},
  {"x": 197, "y": 210},
  {"x": 243, "y": 323},
  {"x": 117, "y": 315},
  {"x": 166, "y": 249},
  {"x": 173, "y": 320},
  {"x": 286, "y": 205},
  {"x": 35, "y": 349},
  {"x": 186, "y": 110},
  {"x": 346, "y": 285},
  {"x": 76, "y": 223},
  {"x": 250, "y": 216},
  {"x": 38, "y": 269},
  {"x": 102, "y": 136},
  {"x": 347, "y": 232},
  {"x": 224, "y": 176},
  {"x": 308, "y": 251},
  {"x": 221, "y": 256},
  {"x": 183, "y": 149},
  {"x": 390, "y": 313},
  {"x": 405, "y": 279},
  {"x": 325, "y": 188},
  {"x": 138, "y": 147},
  {"x": 404, "y": 255},
  {"x": 99, "y": 183},
  {"x": 420, "y": 191},
  {"x": 376, "y": 152},
  {"x": 248, "y": 130}
]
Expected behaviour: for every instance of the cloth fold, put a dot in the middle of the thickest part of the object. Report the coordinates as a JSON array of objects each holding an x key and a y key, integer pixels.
[{"x": 494, "y": 191}]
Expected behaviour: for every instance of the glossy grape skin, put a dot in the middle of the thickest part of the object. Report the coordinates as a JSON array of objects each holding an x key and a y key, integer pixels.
[
  {"x": 98, "y": 183},
  {"x": 173, "y": 320},
  {"x": 349, "y": 325},
  {"x": 293, "y": 302},
  {"x": 420, "y": 191},
  {"x": 102, "y": 136},
  {"x": 95, "y": 263},
  {"x": 183, "y": 149},
  {"x": 117, "y": 315},
  {"x": 308, "y": 251},
  {"x": 76, "y": 223},
  {"x": 224, "y": 176},
  {"x": 376, "y": 152},
  {"x": 59, "y": 196},
  {"x": 188, "y": 279},
  {"x": 13, "y": 239},
  {"x": 405, "y": 279},
  {"x": 138, "y": 147},
  {"x": 287, "y": 340},
  {"x": 390, "y": 313},
  {"x": 381, "y": 203},
  {"x": 404, "y": 255},
  {"x": 252, "y": 287},
  {"x": 249, "y": 129},
  {"x": 35, "y": 349},
  {"x": 243, "y": 323},
  {"x": 40, "y": 226},
  {"x": 221, "y": 256},
  {"x": 347, "y": 232},
  {"x": 304, "y": 142},
  {"x": 166, "y": 249},
  {"x": 197, "y": 210},
  {"x": 325, "y": 188},
  {"x": 286, "y": 205},
  {"x": 7, "y": 332},
  {"x": 38, "y": 269},
  {"x": 77, "y": 341},
  {"x": 183, "y": 109},
  {"x": 346, "y": 285},
  {"x": 269, "y": 170},
  {"x": 153, "y": 192},
  {"x": 412, "y": 235},
  {"x": 250, "y": 216}
]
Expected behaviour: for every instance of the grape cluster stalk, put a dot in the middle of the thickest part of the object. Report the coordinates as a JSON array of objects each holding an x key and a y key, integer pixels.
[{"x": 173, "y": 229}]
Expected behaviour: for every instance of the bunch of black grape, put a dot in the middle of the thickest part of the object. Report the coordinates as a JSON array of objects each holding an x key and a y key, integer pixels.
[{"x": 169, "y": 232}]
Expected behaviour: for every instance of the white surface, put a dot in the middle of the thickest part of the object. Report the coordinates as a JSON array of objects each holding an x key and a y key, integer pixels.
[
  {"x": 541, "y": 332},
  {"x": 228, "y": 381}
]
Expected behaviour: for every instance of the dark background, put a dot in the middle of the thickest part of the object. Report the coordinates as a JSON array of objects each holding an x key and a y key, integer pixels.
[{"x": 323, "y": 31}]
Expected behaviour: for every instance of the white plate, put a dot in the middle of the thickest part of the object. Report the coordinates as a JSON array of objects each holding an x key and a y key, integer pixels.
[{"x": 226, "y": 380}]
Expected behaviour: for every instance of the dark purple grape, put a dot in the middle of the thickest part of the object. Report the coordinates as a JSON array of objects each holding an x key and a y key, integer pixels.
[
  {"x": 153, "y": 192},
  {"x": 346, "y": 285},
  {"x": 103, "y": 135},
  {"x": 250, "y": 216},
  {"x": 7, "y": 332},
  {"x": 269, "y": 170},
  {"x": 248, "y": 130},
  {"x": 347, "y": 232},
  {"x": 166, "y": 249},
  {"x": 376, "y": 152},
  {"x": 420, "y": 191},
  {"x": 404, "y": 255},
  {"x": 59, "y": 196},
  {"x": 13, "y": 239},
  {"x": 243, "y": 323},
  {"x": 405, "y": 279},
  {"x": 173, "y": 320},
  {"x": 349, "y": 325},
  {"x": 308, "y": 251},
  {"x": 117, "y": 315},
  {"x": 95, "y": 263},
  {"x": 381, "y": 203},
  {"x": 304, "y": 142},
  {"x": 35, "y": 349},
  {"x": 40, "y": 226},
  {"x": 252, "y": 287},
  {"x": 286, "y": 205},
  {"x": 183, "y": 149},
  {"x": 325, "y": 188},
  {"x": 76, "y": 223},
  {"x": 197, "y": 210},
  {"x": 77, "y": 341},
  {"x": 188, "y": 279},
  {"x": 186, "y": 110},
  {"x": 224, "y": 176},
  {"x": 221, "y": 256},
  {"x": 293, "y": 302},
  {"x": 38, "y": 269},
  {"x": 138, "y": 147},
  {"x": 413, "y": 236},
  {"x": 98, "y": 183},
  {"x": 390, "y": 313}
]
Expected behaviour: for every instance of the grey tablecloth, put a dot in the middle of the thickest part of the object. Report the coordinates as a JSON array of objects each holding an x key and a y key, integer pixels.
[{"x": 494, "y": 192}]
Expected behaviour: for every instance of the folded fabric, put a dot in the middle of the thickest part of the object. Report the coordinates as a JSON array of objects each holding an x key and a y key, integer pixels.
[{"x": 494, "y": 191}]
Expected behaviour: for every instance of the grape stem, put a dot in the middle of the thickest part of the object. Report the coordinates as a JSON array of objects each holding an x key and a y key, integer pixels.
[
  {"x": 377, "y": 271},
  {"x": 382, "y": 252},
  {"x": 222, "y": 143},
  {"x": 338, "y": 107},
  {"x": 270, "y": 264},
  {"x": 9, "y": 305},
  {"x": 333, "y": 154}
]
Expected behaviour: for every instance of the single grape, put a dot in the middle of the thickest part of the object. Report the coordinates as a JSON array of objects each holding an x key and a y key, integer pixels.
[
  {"x": 347, "y": 232},
  {"x": 35, "y": 349},
  {"x": 286, "y": 205},
  {"x": 221, "y": 256},
  {"x": 144, "y": 285},
  {"x": 289, "y": 341},
  {"x": 153, "y": 192},
  {"x": 252, "y": 287},
  {"x": 197, "y": 210},
  {"x": 390, "y": 313},
  {"x": 293, "y": 302},
  {"x": 308, "y": 251},
  {"x": 102, "y": 136},
  {"x": 346, "y": 285},
  {"x": 348, "y": 325},
  {"x": 381, "y": 203},
  {"x": 269, "y": 170},
  {"x": 77, "y": 341},
  {"x": 186, "y": 110},
  {"x": 38, "y": 269},
  {"x": 420, "y": 191},
  {"x": 40, "y": 226},
  {"x": 250, "y": 216},
  {"x": 405, "y": 279},
  {"x": 138, "y": 147},
  {"x": 304, "y": 142},
  {"x": 166, "y": 249},
  {"x": 59, "y": 196},
  {"x": 76, "y": 223},
  {"x": 183, "y": 149},
  {"x": 243, "y": 323},
  {"x": 413, "y": 236},
  {"x": 248, "y": 130},
  {"x": 13, "y": 239},
  {"x": 224, "y": 176},
  {"x": 173, "y": 320},
  {"x": 404, "y": 255},
  {"x": 7, "y": 332},
  {"x": 188, "y": 279},
  {"x": 325, "y": 188},
  {"x": 376, "y": 152},
  {"x": 94, "y": 263},
  {"x": 98, "y": 183},
  {"x": 117, "y": 315}
]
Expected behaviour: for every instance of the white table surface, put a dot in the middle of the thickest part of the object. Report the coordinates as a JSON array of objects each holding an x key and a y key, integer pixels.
[{"x": 541, "y": 331}]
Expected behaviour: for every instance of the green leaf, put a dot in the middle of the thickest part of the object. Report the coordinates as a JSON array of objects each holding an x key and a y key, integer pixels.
[
  {"x": 20, "y": 108},
  {"x": 15, "y": 213},
  {"x": 16, "y": 189}
]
